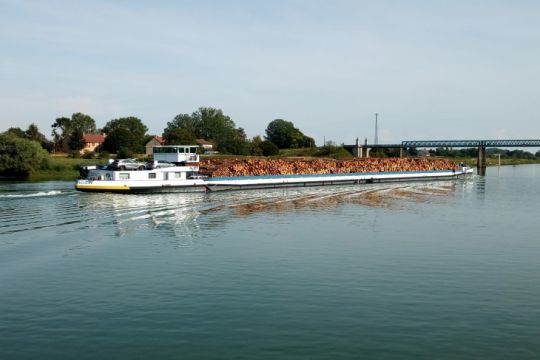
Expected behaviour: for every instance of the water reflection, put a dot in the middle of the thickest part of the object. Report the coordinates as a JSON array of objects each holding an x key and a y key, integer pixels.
[
  {"x": 183, "y": 215},
  {"x": 129, "y": 213}
]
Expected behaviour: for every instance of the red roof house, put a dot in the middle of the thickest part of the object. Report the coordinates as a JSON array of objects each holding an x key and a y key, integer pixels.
[{"x": 91, "y": 142}]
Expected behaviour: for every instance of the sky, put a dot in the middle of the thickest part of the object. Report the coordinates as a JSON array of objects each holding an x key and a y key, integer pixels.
[{"x": 431, "y": 69}]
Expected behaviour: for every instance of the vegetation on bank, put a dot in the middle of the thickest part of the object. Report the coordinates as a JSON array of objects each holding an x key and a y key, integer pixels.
[
  {"x": 25, "y": 159},
  {"x": 62, "y": 168},
  {"x": 20, "y": 157},
  {"x": 25, "y": 154},
  {"x": 65, "y": 168}
]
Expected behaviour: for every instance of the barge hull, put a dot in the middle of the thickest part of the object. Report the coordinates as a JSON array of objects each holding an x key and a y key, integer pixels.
[
  {"x": 265, "y": 182},
  {"x": 329, "y": 180},
  {"x": 144, "y": 190}
]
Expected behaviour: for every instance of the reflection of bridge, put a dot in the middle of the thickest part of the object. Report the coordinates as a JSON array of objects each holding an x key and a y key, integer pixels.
[{"x": 364, "y": 150}]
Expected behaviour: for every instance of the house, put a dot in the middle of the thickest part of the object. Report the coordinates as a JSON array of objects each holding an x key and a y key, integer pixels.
[
  {"x": 205, "y": 145},
  {"x": 92, "y": 142},
  {"x": 155, "y": 141}
]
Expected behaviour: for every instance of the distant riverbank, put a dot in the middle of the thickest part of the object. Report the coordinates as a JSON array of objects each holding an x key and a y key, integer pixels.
[{"x": 64, "y": 168}]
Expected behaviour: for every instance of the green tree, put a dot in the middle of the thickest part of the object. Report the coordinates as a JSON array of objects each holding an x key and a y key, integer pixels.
[
  {"x": 131, "y": 123},
  {"x": 132, "y": 143},
  {"x": 256, "y": 143},
  {"x": 235, "y": 145},
  {"x": 75, "y": 141},
  {"x": 308, "y": 142},
  {"x": 178, "y": 136},
  {"x": 32, "y": 133},
  {"x": 214, "y": 125},
  {"x": 60, "y": 130},
  {"x": 16, "y": 131},
  {"x": 122, "y": 142},
  {"x": 209, "y": 124},
  {"x": 19, "y": 157},
  {"x": 190, "y": 124},
  {"x": 83, "y": 123},
  {"x": 67, "y": 129},
  {"x": 269, "y": 148},
  {"x": 285, "y": 135}
]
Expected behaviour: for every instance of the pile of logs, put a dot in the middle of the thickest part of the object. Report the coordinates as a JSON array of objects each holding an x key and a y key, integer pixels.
[{"x": 259, "y": 167}]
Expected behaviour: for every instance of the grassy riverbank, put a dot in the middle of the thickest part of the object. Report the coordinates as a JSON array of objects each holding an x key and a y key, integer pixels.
[{"x": 65, "y": 168}]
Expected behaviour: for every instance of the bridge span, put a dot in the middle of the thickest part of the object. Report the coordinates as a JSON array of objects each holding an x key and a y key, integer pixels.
[
  {"x": 364, "y": 150},
  {"x": 470, "y": 143}
]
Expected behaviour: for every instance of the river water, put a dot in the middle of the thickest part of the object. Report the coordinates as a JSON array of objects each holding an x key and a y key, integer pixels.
[{"x": 425, "y": 270}]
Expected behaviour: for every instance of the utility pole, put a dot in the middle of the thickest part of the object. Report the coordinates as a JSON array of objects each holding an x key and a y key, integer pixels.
[{"x": 376, "y": 140}]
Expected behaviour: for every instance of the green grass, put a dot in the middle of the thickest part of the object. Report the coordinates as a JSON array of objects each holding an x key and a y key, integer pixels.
[
  {"x": 63, "y": 168},
  {"x": 302, "y": 152},
  {"x": 329, "y": 151}
]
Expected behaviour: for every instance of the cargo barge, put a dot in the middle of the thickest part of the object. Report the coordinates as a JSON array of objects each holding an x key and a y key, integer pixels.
[{"x": 177, "y": 170}]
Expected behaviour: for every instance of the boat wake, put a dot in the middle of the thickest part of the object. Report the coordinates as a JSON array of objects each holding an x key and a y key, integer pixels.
[
  {"x": 36, "y": 194},
  {"x": 184, "y": 215}
]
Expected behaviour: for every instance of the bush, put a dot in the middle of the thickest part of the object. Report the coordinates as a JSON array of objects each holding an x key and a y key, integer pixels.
[
  {"x": 269, "y": 148},
  {"x": 75, "y": 154},
  {"x": 19, "y": 157},
  {"x": 104, "y": 155},
  {"x": 88, "y": 155},
  {"x": 336, "y": 152},
  {"x": 124, "y": 153}
]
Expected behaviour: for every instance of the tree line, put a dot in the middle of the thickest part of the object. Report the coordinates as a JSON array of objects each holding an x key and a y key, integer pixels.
[
  {"x": 22, "y": 150},
  {"x": 127, "y": 136}
]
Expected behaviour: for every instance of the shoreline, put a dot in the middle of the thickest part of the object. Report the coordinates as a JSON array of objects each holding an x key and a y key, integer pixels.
[{"x": 70, "y": 173}]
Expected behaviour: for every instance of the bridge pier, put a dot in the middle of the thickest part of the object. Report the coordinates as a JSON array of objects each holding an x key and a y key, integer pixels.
[
  {"x": 364, "y": 152},
  {"x": 361, "y": 151},
  {"x": 481, "y": 161},
  {"x": 402, "y": 152}
]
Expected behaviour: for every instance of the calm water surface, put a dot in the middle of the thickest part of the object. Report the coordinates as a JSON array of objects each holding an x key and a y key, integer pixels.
[{"x": 438, "y": 270}]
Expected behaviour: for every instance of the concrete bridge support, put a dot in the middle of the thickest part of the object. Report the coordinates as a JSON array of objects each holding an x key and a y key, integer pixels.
[
  {"x": 361, "y": 151},
  {"x": 402, "y": 152},
  {"x": 481, "y": 162},
  {"x": 365, "y": 152}
]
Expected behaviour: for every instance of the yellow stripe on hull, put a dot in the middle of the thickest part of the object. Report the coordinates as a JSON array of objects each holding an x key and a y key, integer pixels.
[{"x": 101, "y": 187}]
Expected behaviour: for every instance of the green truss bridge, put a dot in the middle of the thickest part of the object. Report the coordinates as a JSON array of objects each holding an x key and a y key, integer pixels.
[
  {"x": 470, "y": 143},
  {"x": 362, "y": 150}
]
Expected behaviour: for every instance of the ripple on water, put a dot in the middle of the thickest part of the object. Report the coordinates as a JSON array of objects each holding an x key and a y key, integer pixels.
[{"x": 182, "y": 213}]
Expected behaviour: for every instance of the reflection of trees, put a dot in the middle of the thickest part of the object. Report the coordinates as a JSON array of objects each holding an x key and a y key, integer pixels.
[{"x": 375, "y": 196}]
